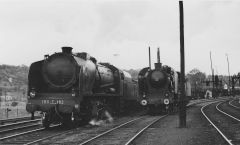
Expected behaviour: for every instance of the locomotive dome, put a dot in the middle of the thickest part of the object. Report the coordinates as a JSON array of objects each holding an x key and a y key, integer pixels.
[
  {"x": 59, "y": 70},
  {"x": 158, "y": 78}
]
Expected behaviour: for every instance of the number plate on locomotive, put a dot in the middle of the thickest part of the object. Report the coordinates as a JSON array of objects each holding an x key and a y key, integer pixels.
[{"x": 52, "y": 102}]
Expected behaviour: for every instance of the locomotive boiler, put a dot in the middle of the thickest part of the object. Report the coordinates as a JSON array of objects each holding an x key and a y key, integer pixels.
[
  {"x": 71, "y": 87},
  {"x": 158, "y": 87}
]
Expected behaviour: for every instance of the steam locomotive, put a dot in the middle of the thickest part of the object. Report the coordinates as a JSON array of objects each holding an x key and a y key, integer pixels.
[
  {"x": 158, "y": 87},
  {"x": 72, "y": 87}
]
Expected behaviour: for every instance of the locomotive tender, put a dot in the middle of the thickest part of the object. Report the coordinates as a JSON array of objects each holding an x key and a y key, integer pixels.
[
  {"x": 72, "y": 87},
  {"x": 158, "y": 87}
]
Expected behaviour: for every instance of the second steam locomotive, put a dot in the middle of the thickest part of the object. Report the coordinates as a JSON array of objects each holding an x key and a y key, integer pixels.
[
  {"x": 71, "y": 87},
  {"x": 158, "y": 87}
]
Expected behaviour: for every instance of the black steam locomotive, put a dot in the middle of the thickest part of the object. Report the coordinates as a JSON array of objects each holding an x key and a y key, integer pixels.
[
  {"x": 158, "y": 88},
  {"x": 72, "y": 87}
]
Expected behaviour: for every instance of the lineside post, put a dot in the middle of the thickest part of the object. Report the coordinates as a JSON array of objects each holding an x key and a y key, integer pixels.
[
  {"x": 213, "y": 86},
  {"x": 182, "y": 100},
  {"x": 149, "y": 57}
]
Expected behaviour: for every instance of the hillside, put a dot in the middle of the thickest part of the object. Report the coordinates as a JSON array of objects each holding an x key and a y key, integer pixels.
[{"x": 13, "y": 78}]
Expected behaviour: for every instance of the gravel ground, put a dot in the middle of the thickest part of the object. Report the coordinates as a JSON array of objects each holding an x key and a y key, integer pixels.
[{"x": 167, "y": 132}]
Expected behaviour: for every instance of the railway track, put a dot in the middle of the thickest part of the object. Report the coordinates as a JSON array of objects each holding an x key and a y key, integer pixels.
[
  {"x": 18, "y": 126},
  {"x": 198, "y": 101},
  {"x": 124, "y": 133},
  {"x": 14, "y": 120},
  {"x": 27, "y": 131},
  {"x": 34, "y": 135},
  {"x": 120, "y": 133},
  {"x": 224, "y": 119},
  {"x": 231, "y": 104}
]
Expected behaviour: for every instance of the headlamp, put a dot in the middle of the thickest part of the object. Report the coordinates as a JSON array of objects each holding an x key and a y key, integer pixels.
[
  {"x": 73, "y": 93},
  {"x": 32, "y": 94}
]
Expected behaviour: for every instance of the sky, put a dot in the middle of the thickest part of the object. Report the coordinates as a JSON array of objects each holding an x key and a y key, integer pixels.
[{"x": 120, "y": 32}]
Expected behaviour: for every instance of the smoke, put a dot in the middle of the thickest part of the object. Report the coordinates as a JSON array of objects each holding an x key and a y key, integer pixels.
[{"x": 99, "y": 122}]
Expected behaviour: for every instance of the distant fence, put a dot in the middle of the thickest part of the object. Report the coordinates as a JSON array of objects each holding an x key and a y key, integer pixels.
[{"x": 12, "y": 109}]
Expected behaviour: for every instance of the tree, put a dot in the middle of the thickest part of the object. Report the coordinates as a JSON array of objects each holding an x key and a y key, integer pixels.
[
  {"x": 133, "y": 73},
  {"x": 196, "y": 78},
  {"x": 196, "y": 75}
]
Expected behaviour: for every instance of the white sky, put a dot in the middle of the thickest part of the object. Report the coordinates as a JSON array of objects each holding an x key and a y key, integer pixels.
[{"x": 29, "y": 29}]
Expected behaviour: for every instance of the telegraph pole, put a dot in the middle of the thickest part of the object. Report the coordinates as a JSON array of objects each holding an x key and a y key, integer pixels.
[
  {"x": 182, "y": 101},
  {"x": 229, "y": 78},
  {"x": 149, "y": 57},
  {"x": 212, "y": 75}
]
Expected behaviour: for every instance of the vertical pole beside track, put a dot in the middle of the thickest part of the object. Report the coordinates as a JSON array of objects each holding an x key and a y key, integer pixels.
[
  {"x": 149, "y": 53},
  {"x": 229, "y": 78},
  {"x": 182, "y": 101},
  {"x": 213, "y": 94},
  {"x": 6, "y": 113}
]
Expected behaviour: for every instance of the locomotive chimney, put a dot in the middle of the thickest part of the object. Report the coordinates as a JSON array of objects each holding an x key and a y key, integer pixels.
[
  {"x": 149, "y": 56},
  {"x": 158, "y": 65},
  {"x": 67, "y": 50},
  {"x": 158, "y": 56}
]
